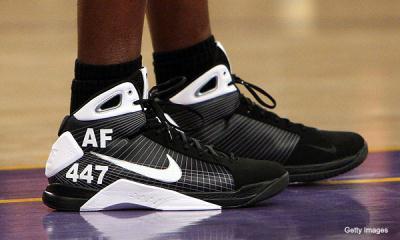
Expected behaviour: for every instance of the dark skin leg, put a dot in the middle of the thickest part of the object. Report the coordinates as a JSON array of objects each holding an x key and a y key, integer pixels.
[
  {"x": 178, "y": 24},
  {"x": 110, "y": 31}
]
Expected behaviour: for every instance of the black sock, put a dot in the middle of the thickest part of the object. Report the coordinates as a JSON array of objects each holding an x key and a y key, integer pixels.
[
  {"x": 90, "y": 79},
  {"x": 190, "y": 62}
]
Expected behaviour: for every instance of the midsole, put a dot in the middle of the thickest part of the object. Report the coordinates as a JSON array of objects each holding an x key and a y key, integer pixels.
[
  {"x": 129, "y": 192},
  {"x": 123, "y": 194},
  {"x": 245, "y": 193}
]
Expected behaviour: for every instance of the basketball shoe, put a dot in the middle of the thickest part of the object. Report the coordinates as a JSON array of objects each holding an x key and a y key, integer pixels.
[
  {"x": 234, "y": 123},
  {"x": 118, "y": 151}
]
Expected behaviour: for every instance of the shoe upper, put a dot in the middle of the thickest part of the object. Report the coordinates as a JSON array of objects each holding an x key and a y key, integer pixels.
[
  {"x": 234, "y": 123},
  {"x": 123, "y": 131}
]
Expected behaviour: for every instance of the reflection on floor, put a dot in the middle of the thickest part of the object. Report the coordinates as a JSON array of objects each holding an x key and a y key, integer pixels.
[{"x": 366, "y": 197}]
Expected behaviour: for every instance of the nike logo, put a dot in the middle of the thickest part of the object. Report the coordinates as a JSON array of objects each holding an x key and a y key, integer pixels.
[
  {"x": 331, "y": 149},
  {"x": 169, "y": 175}
]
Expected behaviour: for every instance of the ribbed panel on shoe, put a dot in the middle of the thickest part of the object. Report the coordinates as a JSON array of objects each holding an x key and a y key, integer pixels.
[
  {"x": 197, "y": 176},
  {"x": 250, "y": 138},
  {"x": 210, "y": 110}
]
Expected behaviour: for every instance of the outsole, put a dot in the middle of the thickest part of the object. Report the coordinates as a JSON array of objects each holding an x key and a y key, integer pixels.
[
  {"x": 65, "y": 198},
  {"x": 275, "y": 188},
  {"x": 317, "y": 172}
]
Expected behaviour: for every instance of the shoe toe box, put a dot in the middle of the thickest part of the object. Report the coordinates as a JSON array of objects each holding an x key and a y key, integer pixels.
[
  {"x": 346, "y": 143},
  {"x": 326, "y": 146}
]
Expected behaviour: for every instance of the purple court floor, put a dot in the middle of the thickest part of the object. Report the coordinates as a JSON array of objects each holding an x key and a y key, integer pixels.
[{"x": 366, "y": 197}]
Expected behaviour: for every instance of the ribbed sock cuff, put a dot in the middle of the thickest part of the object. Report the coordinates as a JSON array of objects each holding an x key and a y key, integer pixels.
[
  {"x": 90, "y": 72},
  {"x": 189, "y": 62}
]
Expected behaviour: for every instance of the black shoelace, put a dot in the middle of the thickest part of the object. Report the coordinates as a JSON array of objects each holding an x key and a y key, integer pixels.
[
  {"x": 157, "y": 120},
  {"x": 254, "y": 107}
]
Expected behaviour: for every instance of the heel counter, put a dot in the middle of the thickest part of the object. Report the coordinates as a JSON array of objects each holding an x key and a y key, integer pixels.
[{"x": 64, "y": 152}]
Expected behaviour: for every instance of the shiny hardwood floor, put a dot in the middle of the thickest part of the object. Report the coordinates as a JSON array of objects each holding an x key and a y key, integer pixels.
[
  {"x": 365, "y": 197},
  {"x": 330, "y": 63}
]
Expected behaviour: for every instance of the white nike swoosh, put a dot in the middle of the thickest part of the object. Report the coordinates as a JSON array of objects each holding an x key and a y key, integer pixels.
[{"x": 170, "y": 174}]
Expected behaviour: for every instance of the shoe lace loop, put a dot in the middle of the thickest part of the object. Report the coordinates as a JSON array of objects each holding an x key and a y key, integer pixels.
[{"x": 253, "y": 89}]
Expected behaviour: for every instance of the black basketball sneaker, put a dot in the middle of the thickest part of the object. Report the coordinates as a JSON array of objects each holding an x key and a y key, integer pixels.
[
  {"x": 118, "y": 151},
  {"x": 234, "y": 123}
]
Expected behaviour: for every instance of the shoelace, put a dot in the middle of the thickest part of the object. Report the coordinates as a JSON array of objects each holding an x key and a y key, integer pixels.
[
  {"x": 253, "y": 89},
  {"x": 157, "y": 120}
]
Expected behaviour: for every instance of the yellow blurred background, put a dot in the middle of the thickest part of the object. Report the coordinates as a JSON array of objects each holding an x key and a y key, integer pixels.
[{"x": 333, "y": 64}]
